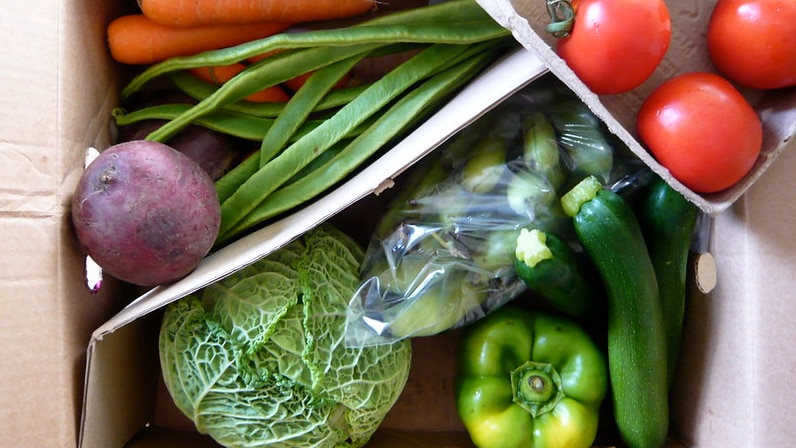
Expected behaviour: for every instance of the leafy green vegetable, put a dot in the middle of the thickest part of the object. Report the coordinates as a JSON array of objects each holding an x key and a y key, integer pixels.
[{"x": 259, "y": 358}]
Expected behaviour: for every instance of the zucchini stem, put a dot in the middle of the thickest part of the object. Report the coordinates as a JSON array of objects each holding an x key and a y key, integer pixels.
[
  {"x": 532, "y": 247},
  {"x": 581, "y": 193}
]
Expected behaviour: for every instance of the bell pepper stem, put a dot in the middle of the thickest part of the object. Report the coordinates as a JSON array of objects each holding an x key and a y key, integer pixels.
[{"x": 536, "y": 387}]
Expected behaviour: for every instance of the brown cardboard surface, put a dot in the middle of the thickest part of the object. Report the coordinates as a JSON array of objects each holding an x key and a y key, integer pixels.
[
  {"x": 738, "y": 377},
  {"x": 50, "y": 111},
  {"x": 738, "y": 372}
]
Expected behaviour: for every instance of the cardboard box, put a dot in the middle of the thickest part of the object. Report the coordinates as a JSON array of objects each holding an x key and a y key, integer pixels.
[
  {"x": 58, "y": 89},
  {"x": 66, "y": 351}
]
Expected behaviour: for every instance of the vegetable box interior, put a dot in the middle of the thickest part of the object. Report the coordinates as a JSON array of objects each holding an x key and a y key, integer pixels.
[{"x": 79, "y": 368}]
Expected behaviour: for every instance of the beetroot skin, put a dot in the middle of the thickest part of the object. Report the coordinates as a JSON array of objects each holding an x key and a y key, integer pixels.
[{"x": 146, "y": 213}]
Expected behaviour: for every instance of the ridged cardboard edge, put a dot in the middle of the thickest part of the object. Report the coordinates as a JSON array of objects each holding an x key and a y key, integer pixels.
[{"x": 775, "y": 108}]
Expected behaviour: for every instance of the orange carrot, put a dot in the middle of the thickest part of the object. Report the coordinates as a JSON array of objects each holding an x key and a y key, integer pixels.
[
  {"x": 134, "y": 39},
  {"x": 296, "y": 83},
  {"x": 205, "y": 12},
  {"x": 260, "y": 57},
  {"x": 220, "y": 74}
]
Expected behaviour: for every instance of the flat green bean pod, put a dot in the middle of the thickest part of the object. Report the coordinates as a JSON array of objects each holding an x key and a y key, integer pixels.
[
  {"x": 301, "y": 104},
  {"x": 268, "y": 72},
  {"x": 199, "y": 90},
  {"x": 477, "y": 26},
  {"x": 244, "y": 126},
  {"x": 451, "y": 11},
  {"x": 230, "y": 182},
  {"x": 296, "y": 156},
  {"x": 402, "y": 115}
]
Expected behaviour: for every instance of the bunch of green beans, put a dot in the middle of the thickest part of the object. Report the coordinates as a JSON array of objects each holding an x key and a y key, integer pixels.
[{"x": 449, "y": 43}]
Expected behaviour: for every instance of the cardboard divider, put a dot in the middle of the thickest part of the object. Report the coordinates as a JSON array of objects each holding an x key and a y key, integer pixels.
[{"x": 117, "y": 336}]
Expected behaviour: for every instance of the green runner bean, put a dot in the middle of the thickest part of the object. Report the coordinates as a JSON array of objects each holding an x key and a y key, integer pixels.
[
  {"x": 302, "y": 103},
  {"x": 269, "y": 177},
  {"x": 443, "y": 29},
  {"x": 402, "y": 115},
  {"x": 231, "y": 181},
  {"x": 449, "y": 11},
  {"x": 199, "y": 90},
  {"x": 236, "y": 124},
  {"x": 268, "y": 72}
]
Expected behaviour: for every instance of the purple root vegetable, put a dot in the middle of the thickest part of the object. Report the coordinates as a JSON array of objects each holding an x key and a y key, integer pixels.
[
  {"x": 146, "y": 213},
  {"x": 214, "y": 151},
  {"x": 217, "y": 153}
]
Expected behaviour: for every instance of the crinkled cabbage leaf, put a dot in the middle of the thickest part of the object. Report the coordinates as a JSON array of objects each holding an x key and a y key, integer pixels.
[{"x": 259, "y": 358}]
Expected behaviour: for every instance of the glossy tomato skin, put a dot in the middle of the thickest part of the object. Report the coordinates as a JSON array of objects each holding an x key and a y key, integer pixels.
[
  {"x": 615, "y": 45},
  {"x": 702, "y": 129},
  {"x": 753, "y": 42}
]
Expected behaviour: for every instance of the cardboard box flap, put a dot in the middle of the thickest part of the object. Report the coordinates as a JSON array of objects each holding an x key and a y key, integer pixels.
[
  {"x": 688, "y": 52},
  {"x": 483, "y": 93},
  {"x": 103, "y": 394},
  {"x": 56, "y": 82}
]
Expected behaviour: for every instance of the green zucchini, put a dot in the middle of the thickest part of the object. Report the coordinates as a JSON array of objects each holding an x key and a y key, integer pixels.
[
  {"x": 667, "y": 220},
  {"x": 610, "y": 233},
  {"x": 550, "y": 267}
]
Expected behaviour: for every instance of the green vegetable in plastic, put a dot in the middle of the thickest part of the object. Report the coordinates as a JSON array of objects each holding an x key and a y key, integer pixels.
[
  {"x": 540, "y": 148},
  {"x": 581, "y": 135},
  {"x": 259, "y": 358}
]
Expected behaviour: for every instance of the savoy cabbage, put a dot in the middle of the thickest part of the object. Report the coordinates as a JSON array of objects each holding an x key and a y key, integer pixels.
[{"x": 259, "y": 358}]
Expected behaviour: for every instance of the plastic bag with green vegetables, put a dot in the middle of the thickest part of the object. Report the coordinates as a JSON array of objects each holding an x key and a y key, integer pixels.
[
  {"x": 444, "y": 254},
  {"x": 258, "y": 359}
]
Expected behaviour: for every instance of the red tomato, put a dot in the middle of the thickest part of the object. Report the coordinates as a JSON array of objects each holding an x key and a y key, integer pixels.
[
  {"x": 753, "y": 42},
  {"x": 615, "y": 45},
  {"x": 702, "y": 129}
]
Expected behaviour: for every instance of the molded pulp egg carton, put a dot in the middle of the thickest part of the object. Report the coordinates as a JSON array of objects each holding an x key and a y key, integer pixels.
[{"x": 687, "y": 53}]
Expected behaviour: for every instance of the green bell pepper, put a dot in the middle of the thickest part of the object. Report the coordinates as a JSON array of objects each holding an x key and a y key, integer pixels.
[{"x": 529, "y": 379}]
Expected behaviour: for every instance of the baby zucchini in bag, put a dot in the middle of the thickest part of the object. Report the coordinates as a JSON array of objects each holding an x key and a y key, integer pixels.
[
  {"x": 589, "y": 152},
  {"x": 609, "y": 231}
]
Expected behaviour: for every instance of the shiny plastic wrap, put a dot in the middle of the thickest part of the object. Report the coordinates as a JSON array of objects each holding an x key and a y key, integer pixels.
[{"x": 443, "y": 256}]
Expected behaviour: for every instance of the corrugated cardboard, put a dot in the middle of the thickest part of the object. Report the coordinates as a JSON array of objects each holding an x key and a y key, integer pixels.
[
  {"x": 737, "y": 383},
  {"x": 57, "y": 88},
  {"x": 735, "y": 387}
]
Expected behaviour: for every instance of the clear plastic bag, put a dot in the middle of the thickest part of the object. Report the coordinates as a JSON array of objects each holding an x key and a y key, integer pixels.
[{"x": 443, "y": 256}]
